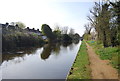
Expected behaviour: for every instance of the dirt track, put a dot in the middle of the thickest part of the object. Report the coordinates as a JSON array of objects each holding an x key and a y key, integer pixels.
[{"x": 100, "y": 68}]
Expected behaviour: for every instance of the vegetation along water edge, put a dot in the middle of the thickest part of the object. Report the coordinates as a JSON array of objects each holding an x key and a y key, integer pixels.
[{"x": 80, "y": 68}]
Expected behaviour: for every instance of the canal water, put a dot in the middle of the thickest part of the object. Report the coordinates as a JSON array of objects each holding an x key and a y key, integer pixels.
[{"x": 48, "y": 62}]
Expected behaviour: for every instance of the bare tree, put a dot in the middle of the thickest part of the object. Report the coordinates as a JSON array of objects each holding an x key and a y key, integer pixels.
[
  {"x": 88, "y": 28},
  {"x": 57, "y": 28},
  {"x": 71, "y": 32},
  {"x": 64, "y": 30}
]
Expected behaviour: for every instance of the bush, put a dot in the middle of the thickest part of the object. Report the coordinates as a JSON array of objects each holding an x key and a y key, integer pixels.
[
  {"x": 66, "y": 38},
  {"x": 20, "y": 39}
]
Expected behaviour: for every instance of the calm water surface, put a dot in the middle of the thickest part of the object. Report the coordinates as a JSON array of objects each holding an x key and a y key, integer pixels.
[{"x": 48, "y": 62}]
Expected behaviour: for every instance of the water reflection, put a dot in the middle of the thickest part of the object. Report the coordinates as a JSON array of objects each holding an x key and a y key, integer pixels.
[
  {"x": 48, "y": 48},
  {"x": 55, "y": 48},
  {"x": 46, "y": 52},
  {"x": 65, "y": 44},
  {"x": 18, "y": 53},
  {"x": 56, "y": 65}
]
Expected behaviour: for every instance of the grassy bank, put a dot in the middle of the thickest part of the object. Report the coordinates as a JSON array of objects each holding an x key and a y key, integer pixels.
[
  {"x": 80, "y": 68},
  {"x": 109, "y": 53}
]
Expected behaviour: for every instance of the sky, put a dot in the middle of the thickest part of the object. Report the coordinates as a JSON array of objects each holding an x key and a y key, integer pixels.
[{"x": 34, "y": 13}]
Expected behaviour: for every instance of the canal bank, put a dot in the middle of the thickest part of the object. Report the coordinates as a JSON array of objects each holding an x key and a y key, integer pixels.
[
  {"x": 80, "y": 68},
  {"x": 88, "y": 64}
]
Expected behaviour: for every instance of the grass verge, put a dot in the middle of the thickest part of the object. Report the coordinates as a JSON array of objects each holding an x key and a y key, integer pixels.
[{"x": 80, "y": 68}]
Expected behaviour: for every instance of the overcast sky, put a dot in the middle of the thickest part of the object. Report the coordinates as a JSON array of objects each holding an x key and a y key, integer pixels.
[{"x": 34, "y": 13}]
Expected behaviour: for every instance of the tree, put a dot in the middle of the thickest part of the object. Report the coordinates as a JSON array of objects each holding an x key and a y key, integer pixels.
[
  {"x": 57, "y": 28},
  {"x": 87, "y": 35},
  {"x": 66, "y": 38},
  {"x": 93, "y": 22},
  {"x": 64, "y": 30},
  {"x": 71, "y": 32},
  {"x": 104, "y": 16},
  {"x": 100, "y": 21},
  {"x": 20, "y": 24},
  {"x": 88, "y": 28},
  {"x": 76, "y": 36},
  {"x": 115, "y": 22},
  {"x": 57, "y": 32},
  {"x": 46, "y": 30}
]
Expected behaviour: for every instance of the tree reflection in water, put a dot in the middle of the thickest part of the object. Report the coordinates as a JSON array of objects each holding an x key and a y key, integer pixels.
[
  {"x": 55, "y": 48},
  {"x": 49, "y": 48}
]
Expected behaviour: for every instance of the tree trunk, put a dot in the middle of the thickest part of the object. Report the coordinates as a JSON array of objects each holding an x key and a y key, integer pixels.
[{"x": 104, "y": 39}]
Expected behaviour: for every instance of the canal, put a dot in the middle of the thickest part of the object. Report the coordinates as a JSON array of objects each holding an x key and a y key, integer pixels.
[{"x": 48, "y": 62}]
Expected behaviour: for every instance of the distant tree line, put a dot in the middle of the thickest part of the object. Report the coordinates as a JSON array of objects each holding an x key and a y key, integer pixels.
[
  {"x": 104, "y": 19},
  {"x": 60, "y": 34}
]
